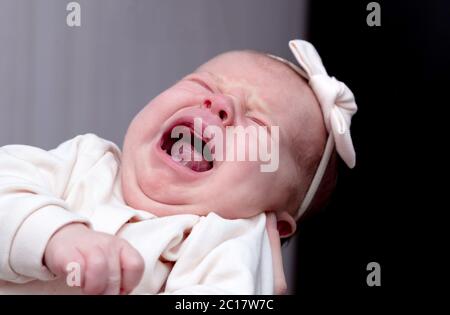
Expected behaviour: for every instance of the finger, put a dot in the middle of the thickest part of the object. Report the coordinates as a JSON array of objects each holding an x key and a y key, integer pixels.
[
  {"x": 132, "y": 268},
  {"x": 59, "y": 259},
  {"x": 96, "y": 276},
  {"x": 114, "y": 271}
]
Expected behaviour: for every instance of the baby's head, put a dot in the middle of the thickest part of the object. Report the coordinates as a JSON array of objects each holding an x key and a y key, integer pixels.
[{"x": 238, "y": 88}]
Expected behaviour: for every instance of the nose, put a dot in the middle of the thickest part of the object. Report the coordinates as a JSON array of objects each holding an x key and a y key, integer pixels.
[{"x": 222, "y": 106}]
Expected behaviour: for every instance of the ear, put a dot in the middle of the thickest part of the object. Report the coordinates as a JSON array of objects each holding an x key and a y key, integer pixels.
[{"x": 286, "y": 224}]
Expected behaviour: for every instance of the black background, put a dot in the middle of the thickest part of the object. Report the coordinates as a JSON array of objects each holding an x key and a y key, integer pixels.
[{"x": 383, "y": 210}]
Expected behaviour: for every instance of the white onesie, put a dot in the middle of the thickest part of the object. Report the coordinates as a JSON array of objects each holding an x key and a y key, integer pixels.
[{"x": 41, "y": 191}]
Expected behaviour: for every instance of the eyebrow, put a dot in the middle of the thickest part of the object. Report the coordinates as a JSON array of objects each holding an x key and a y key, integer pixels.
[
  {"x": 213, "y": 75},
  {"x": 261, "y": 104}
]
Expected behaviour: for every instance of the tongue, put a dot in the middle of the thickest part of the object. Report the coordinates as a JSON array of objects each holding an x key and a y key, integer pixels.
[{"x": 189, "y": 157}]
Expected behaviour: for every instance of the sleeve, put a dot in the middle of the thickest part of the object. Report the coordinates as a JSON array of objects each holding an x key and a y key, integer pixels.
[
  {"x": 33, "y": 183},
  {"x": 223, "y": 257}
]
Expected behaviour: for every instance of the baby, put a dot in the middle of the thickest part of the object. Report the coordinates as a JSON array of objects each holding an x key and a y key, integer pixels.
[{"x": 87, "y": 218}]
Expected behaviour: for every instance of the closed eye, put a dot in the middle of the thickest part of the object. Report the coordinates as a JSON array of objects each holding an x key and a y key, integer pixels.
[
  {"x": 201, "y": 83},
  {"x": 261, "y": 123}
]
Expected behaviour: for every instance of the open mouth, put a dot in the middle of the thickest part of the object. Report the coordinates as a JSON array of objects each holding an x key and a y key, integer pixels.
[{"x": 188, "y": 149}]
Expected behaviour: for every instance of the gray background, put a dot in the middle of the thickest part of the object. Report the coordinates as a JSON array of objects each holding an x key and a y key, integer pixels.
[{"x": 58, "y": 81}]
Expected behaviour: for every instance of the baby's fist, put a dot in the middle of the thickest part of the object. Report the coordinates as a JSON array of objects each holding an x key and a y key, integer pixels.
[{"x": 108, "y": 264}]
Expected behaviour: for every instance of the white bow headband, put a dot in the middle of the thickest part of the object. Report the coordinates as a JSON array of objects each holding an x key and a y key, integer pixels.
[{"x": 338, "y": 106}]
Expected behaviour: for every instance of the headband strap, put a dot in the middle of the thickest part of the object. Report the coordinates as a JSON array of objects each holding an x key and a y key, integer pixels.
[{"x": 337, "y": 104}]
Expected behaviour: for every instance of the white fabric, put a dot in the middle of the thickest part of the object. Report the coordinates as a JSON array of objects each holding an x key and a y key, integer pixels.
[
  {"x": 41, "y": 191},
  {"x": 338, "y": 106}
]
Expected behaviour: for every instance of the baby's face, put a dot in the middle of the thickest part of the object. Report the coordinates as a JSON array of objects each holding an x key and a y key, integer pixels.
[{"x": 233, "y": 89}]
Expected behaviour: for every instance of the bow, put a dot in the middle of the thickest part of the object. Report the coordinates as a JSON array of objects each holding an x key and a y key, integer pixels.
[{"x": 335, "y": 98}]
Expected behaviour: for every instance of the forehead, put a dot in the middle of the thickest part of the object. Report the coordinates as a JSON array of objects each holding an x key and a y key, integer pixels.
[
  {"x": 256, "y": 73},
  {"x": 269, "y": 85}
]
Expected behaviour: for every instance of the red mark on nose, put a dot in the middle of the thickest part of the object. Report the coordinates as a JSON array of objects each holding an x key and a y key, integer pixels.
[{"x": 207, "y": 103}]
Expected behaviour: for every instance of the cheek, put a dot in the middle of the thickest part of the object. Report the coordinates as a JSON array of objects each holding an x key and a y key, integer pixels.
[
  {"x": 143, "y": 124},
  {"x": 174, "y": 99},
  {"x": 250, "y": 192},
  {"x": 130, "y": 190},
  {"x": 246, "y": 181},
  {"x": 243, "y": 171},
  {"x": 162, "y": 107}
]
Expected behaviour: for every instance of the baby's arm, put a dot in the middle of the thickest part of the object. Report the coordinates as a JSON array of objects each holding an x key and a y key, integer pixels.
[
  {"x": 223, "y": 257},
  {"x": 33, "y": 186}
]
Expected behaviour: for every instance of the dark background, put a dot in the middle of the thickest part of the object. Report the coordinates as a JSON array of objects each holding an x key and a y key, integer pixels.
[{"x": 382, "y": 210}]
